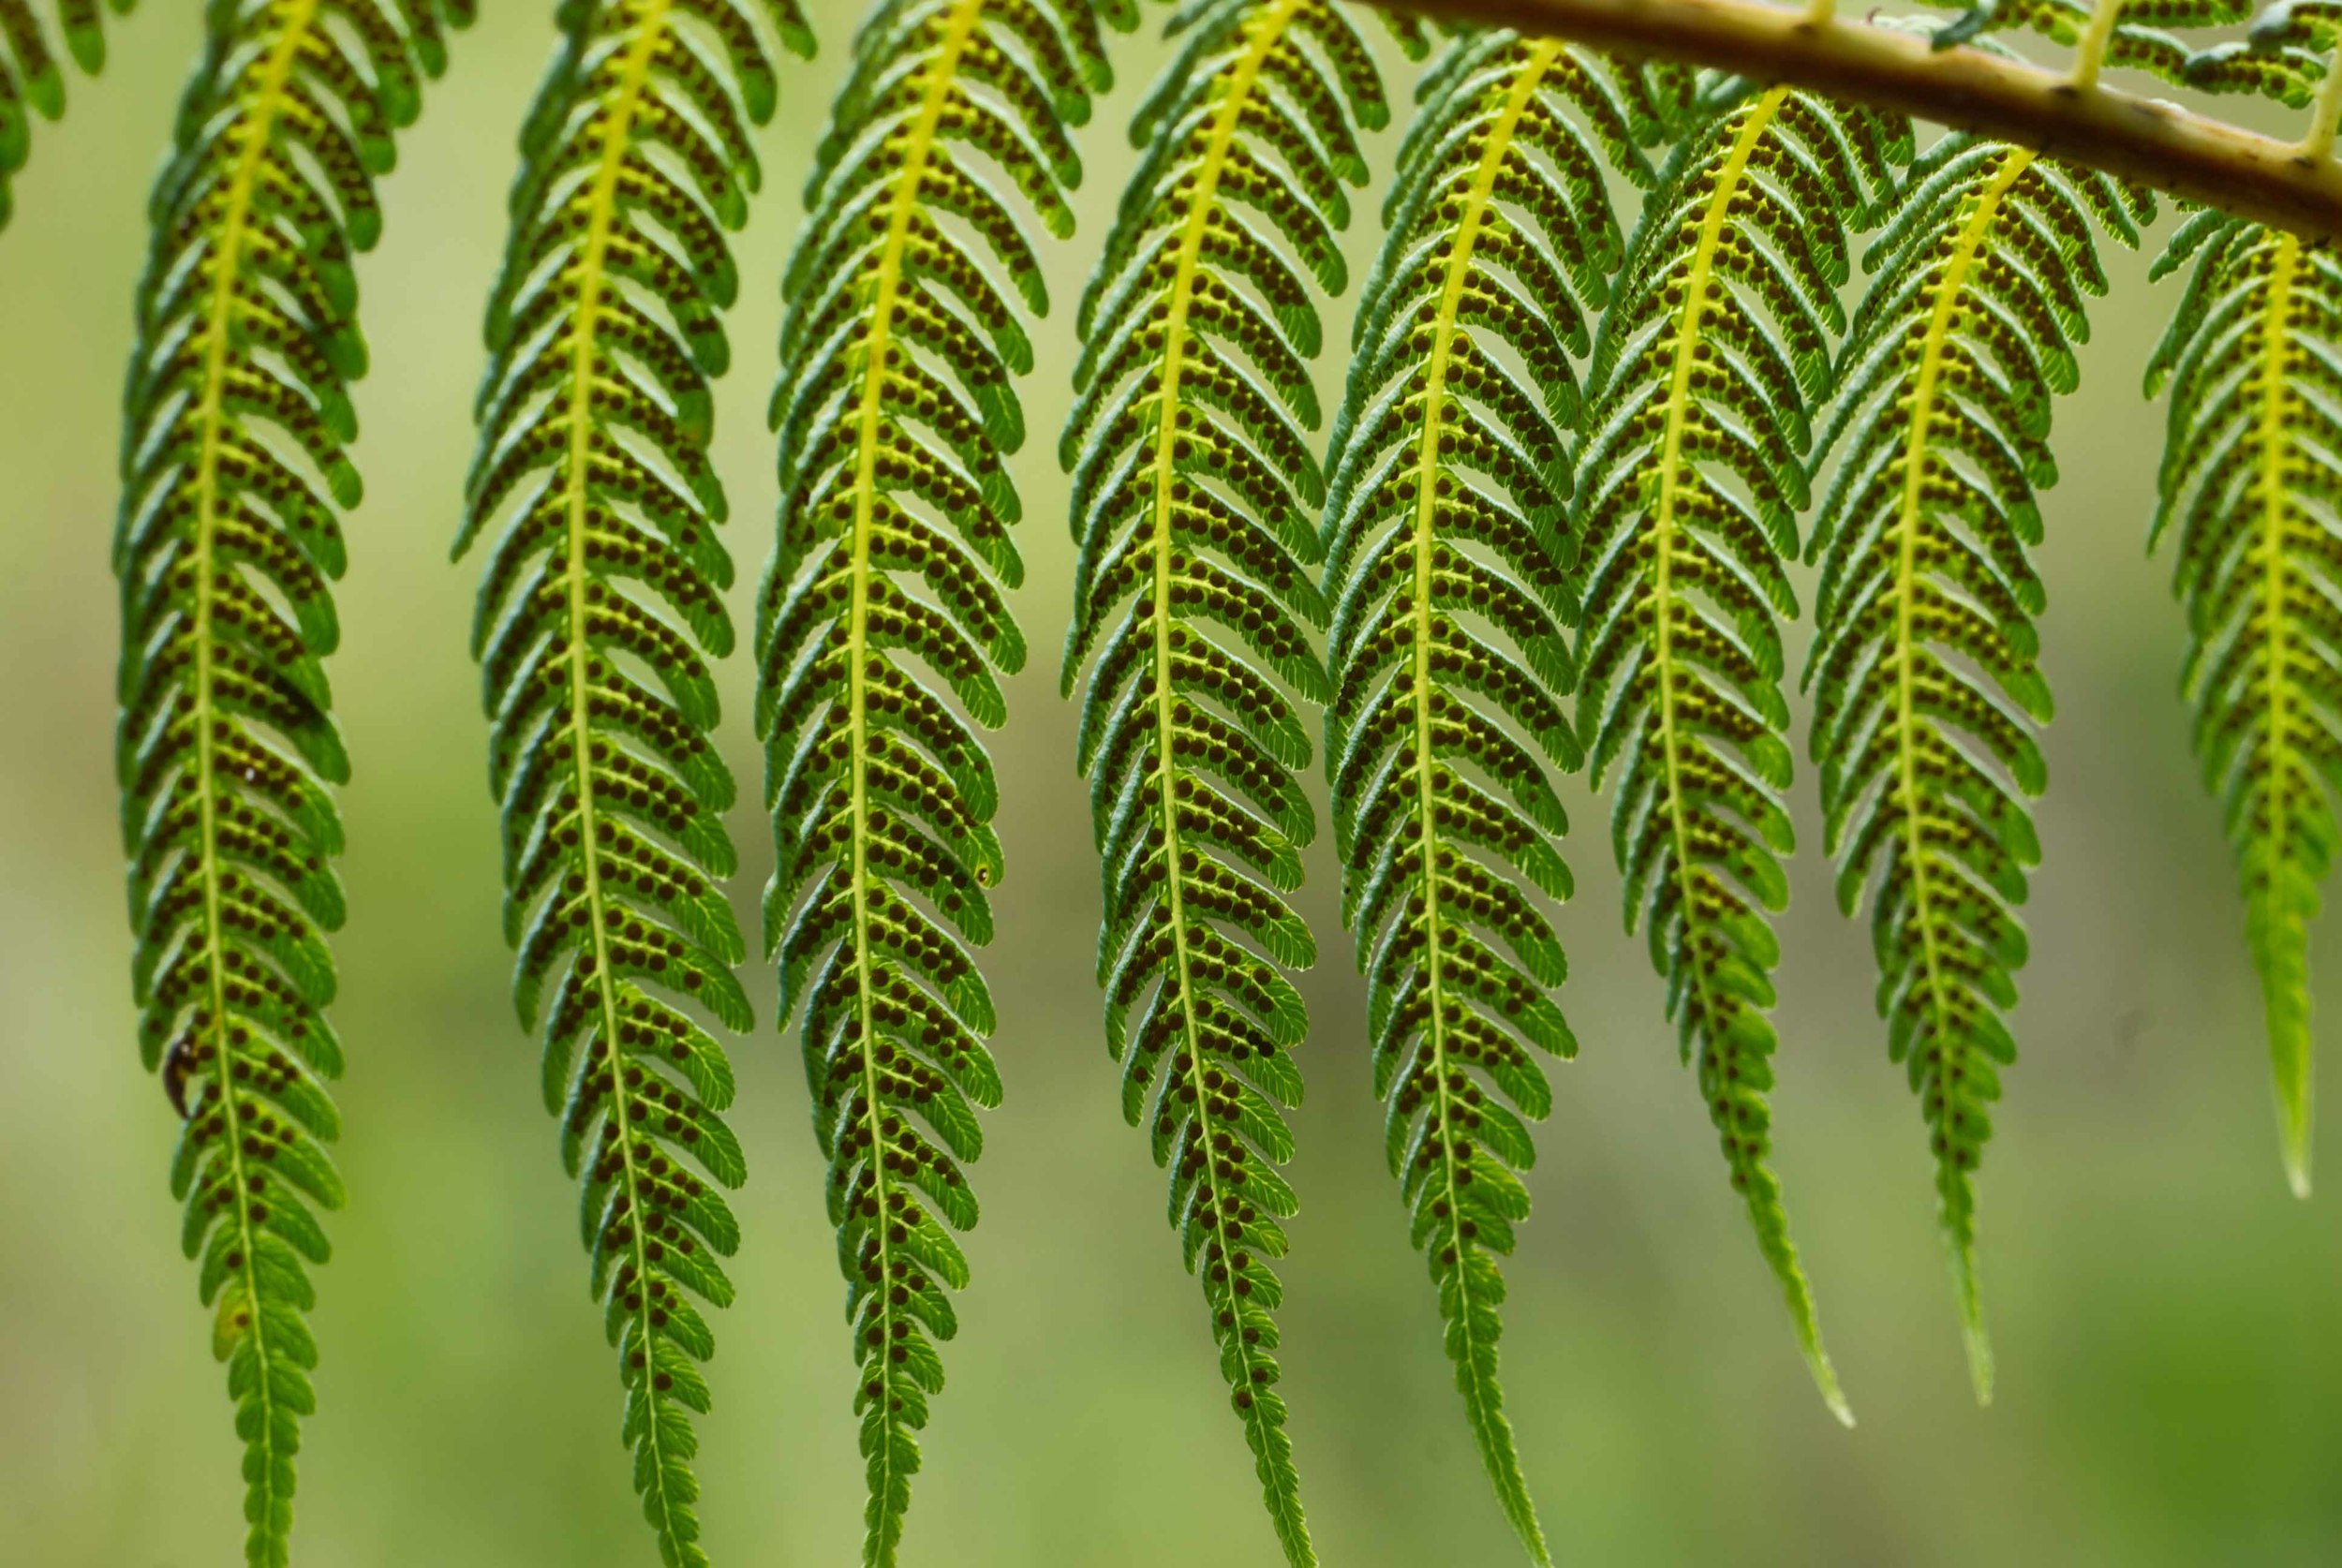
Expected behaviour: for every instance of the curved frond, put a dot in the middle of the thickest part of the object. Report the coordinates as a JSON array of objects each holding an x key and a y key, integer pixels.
[
  {"x": 1923, "y": 664},
  {"x": 599, "y": 608},
  {"x": 31, "y": 81},
  {"x": 1193, "y": 486},
  {"x": 882, "y": 629},
  {"x": 1447, "y": 569},
  {"x": 1711, "y": 361},
  {"x": 2252, "y": 481},
  {"x": 235, "y": 474}
]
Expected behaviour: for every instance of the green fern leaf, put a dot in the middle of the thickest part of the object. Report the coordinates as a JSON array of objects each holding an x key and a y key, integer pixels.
[
  {"x": 1446, "y": 496},
  {"x": 2127, "y": 33},
  {"x": 1709, "y": 360},
  {"x": 30, "y": 78},
  {"x": 1923, "y": 664},
  {"x": 602, "y": 333},
  {"x": 2284, "y": 56},
  {"x": 1193, "y": 487},
  {"x": 894, "y": 414},
  {"x": 239, "y": 391},
  {"x": 2248, "y": 479}
]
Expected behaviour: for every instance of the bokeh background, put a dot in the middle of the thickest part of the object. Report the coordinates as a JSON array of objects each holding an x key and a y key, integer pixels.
[{"x": 2168, "y": 1319}]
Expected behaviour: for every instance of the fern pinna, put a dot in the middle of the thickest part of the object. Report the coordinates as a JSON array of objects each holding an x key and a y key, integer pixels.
[
  {"x": 1192, "y": 489},
  {"x": 1923, "y": 663},
  {"x": 2248, "y": 477},
  {"x": 1714, "y": 351},
  {"x": 894, "y": 414},
  {"x": 234, "y": 469},
  {"x": 30, "y": 76},
  {"x": 1446, "y": 506},
  {"x": 602, "y": 333}
]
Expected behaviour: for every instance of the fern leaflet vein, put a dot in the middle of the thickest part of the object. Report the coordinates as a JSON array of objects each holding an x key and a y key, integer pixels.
[
  {"x": 601, "y": 216},
  {"x": 1481, "y": 1397},
  {"x": 1697, "y": 290},
  {"x": 1261, "y": 33},
  {"x": 902, "y": 203},
  {"x": 265, "y": 1500},
  {"x": 2285, "y": 938},
  {"x": 1924, "y": 914}
]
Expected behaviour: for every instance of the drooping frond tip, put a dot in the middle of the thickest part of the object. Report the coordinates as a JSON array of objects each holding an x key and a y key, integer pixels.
[
  {"x": 2250, "y": 483},
  {"x": 604, "y": 331},
  {"x": 30, "y": 76},
  {"x": 1448, "y": 571},
  {"x": 881, "y": 630},
  {"x": 1922, "y": 665},
  {"x": 1194, "y": 490},
  {"x": 234, "y": 472},
  {"x": 1714, "y": 350}
]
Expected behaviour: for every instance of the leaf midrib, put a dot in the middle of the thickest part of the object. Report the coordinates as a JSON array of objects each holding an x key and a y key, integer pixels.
[
  {"x": 1699, "y": 286},
  {"x": 1504, "y": 1467},
  {"x": 903, "y": 204},
  {"x": 2275, "y": 609},
  {"x": 1262, "y": 31},
  {"x": 1700, "y": 289},
  {"x": 602, "y": 214},
  {"x": 236, "y": 219},
  {"x": 1966, "y": 248}
]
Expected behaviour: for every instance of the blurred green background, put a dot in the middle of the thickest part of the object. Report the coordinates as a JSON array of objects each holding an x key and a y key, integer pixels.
[{"x": 2168, "y": 1321}]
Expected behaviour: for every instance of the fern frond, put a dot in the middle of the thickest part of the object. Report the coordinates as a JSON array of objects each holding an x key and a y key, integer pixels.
[
  {"x": 1445, "y": 514},
  {"x": 234, "y": 469},
  {"x": 880, "y": 626},
  {"x": 2250, "y": 480},
  {"x": 30, "y": 78},
  {"x": 1923, "y": 664},
  {"x": 1712, "y": 355},
  {"x": 602, "y": 333},
  {"x": 1193, "y": 486}
]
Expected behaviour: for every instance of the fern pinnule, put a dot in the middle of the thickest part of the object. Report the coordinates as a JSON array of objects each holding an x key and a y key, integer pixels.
[
  {"x": 603, "y": 330},
  {"x": 1923, "y": 664},
  {"x": 30, "y": 78},
  {"x": 234, "y": 472},
  {"x": 1445, "y": 513},
  {"x": 2286, "y": 54},
  {"x": 1714, "y": 353},
  {"x": 880, "y": 626},
  {"x": 2130, "y": 34},
  {"x": 1193, "y": 486}
]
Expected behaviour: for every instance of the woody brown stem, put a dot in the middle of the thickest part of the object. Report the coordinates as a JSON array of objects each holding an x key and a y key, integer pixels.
[{"x": 2147, "y": 141}]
